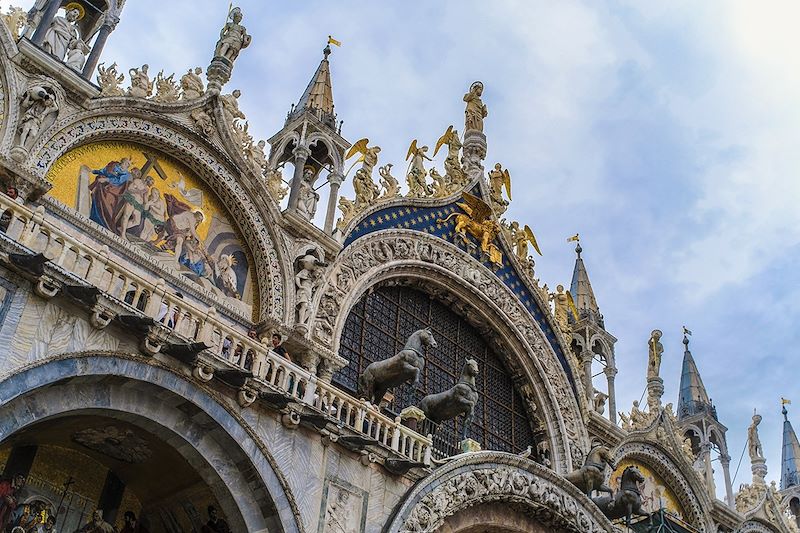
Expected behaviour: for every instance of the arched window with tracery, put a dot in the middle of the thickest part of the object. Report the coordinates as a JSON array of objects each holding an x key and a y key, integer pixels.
[{"x": 377, "y": 328}]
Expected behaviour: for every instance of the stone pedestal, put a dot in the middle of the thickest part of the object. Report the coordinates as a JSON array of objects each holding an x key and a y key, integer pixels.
[
  {"x": 474, "y": 151},
  {"x": 218, "y": 73},
  {"x": 655, "y": 389},
  {"x": 469, "y": 446},
  {"x": 412, "y": 417},
  {"x": 759, "y": 468}
]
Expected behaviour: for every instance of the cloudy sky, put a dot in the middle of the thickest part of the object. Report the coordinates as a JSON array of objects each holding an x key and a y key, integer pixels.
[{"x": 665, "y": 133}]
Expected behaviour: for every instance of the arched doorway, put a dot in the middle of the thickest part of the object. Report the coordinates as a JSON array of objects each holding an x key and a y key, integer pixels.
[
  {"x": 76, "y": 464},
  {"x": 193, "y": 451}
]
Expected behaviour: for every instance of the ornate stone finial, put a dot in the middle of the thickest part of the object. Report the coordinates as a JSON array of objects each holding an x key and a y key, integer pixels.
[
  {"x": 15, "y": 19},
  {"x": 167, "y": 89},
  {"x": 232, "y": 39},
  {"x": 109, "y": 80}
]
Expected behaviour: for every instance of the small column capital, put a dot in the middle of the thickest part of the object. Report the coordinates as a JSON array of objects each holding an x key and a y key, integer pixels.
[
  {"x": 301, "y": 152},
  {"x": 336, "y": 178},
  {"x": 610, "y": 371}
]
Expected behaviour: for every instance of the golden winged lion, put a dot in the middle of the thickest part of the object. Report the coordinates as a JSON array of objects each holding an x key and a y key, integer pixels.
[{"x": 476, "y": 221}]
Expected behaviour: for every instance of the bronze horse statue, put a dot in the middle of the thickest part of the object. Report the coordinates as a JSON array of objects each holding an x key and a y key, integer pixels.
[
  {"x": 590, "y": 476},
  {"x": 403, "y": 367},
  {"x": 628, "y": 499},
  {"x": 460, "y": 399}
]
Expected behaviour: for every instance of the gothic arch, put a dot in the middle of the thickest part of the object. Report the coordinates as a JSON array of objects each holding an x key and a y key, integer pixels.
[
  {"x": 495, "y": 477},
  {"x": 692, "y": 497},
  {"x": 443, "y": 269},
  {"x": 257, "y": 219},
  {"x": 241, "y": 472}
]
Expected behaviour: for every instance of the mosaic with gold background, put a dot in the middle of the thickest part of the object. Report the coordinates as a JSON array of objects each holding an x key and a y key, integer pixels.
[{"x": 159, "y": 205}]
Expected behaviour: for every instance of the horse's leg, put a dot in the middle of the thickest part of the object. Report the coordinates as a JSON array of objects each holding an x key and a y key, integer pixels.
[
  {"x": 605, "y": 488},
  {"x": 416, "y": 377}
]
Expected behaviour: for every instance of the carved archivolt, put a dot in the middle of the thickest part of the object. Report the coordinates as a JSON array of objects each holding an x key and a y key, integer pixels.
[
  {"x": 487, "y": 477},
  {"x": 406, "y": 254},
  {"x": 271, "y": 270},
  {"x": 694, "y": 500}
]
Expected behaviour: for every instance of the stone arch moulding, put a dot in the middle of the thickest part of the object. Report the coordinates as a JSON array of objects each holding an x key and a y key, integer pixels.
[
  {"x": 257, "y": 222},
  {"x": 101, "y": 383},
  {"x": 404, "y": 254},
  {"x": 692, "y": 497},
  {"x": 496, "y": 477}
]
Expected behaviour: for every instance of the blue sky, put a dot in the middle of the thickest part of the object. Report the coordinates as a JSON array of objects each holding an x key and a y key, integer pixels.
[{"x": 665, "y": 133}]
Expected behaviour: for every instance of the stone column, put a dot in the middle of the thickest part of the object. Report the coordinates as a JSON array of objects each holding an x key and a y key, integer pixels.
[
  {"x": 335, "y": 179},
  {"x": 655, "y": 389},
  {"x": 611, "y": 372},
  {"x": 110, "y": 22},
  {"x": 474, "y": 152},
  {"x": 725, "y": 461},
  {"x": 301, "y": 154},
  {"x": 47, "y": 18},
  {"x": 586, "y": 359},
  {"x": 759, "y": 468}
]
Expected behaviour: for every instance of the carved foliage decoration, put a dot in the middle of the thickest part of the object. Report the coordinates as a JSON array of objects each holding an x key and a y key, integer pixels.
[
  {"x": 541, "y": 495},
  {"x": 357, "y": 267}
]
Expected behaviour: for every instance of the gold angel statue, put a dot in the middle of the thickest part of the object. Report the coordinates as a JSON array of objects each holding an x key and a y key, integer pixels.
[
  {"x": 477, "y": 221},
  {"x": 452, "y": 164},
  {"x": 499, "y": 178},
  {"x": 366, "y": 189},
  {"x": 417, "y": 187},
  {"x": 520, "y": 239}
]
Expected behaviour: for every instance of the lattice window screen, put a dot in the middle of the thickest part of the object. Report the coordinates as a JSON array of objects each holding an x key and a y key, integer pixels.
[{"x": 378, "y": 327}]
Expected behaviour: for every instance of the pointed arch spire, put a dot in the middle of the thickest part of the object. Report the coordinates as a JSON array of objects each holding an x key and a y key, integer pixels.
[
  {"x": 318, "y": 96},
  {"x": 581, "y": 288},
  {"x": 692, "y": 398},
  {"x": 790, "y": 455}
]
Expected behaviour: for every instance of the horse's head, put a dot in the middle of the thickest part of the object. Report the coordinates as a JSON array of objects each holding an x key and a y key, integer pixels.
[
  {"x": 470, "y": 368},
  {"x": 632, "y": 473},
  {"x": 426, "y": 336}
]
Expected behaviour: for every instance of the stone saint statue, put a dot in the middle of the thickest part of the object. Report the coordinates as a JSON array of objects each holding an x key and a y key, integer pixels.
[
  {"x": 307, "y": 197},
  {"x": 476, "y": 110},
  {"x": 656, "y": 349},
  {"x": 305, "y": 280},
  {"x": 61, "y": 33},
  {"x": 230, "y": 107},
  {"x": 233, "y": 37},
  {"x": 192, "y": 84},
  {"x": 76, "y": 55},
  {"x": 141, "y": 86},
  {"x": 753, "y": 442},
  {"x": 38, "y": 104},
  {"x": 561, "y": 308}
]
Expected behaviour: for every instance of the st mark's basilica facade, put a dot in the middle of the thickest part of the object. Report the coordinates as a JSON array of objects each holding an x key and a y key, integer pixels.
[{"x": 198, "y": 332}]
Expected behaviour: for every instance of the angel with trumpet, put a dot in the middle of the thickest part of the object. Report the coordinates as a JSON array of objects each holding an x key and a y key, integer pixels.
[
  {"x": 366, "y": 189},
  {"x": 417, "y": 187}
]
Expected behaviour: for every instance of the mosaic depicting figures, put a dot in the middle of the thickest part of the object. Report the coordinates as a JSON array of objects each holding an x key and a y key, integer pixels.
[
  {"x": 156, "y": 204},
  {"x": 655, "y": 492}
]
